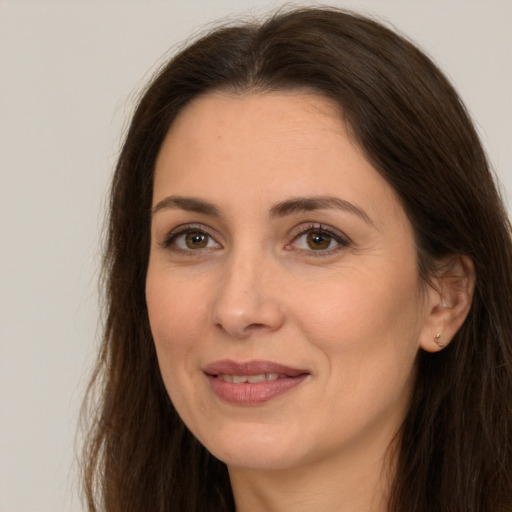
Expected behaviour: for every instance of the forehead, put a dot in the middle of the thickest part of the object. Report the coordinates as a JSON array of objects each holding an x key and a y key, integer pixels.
[
  {"x": 267, "y": 129},
  {"x": 274, "y": 145}
]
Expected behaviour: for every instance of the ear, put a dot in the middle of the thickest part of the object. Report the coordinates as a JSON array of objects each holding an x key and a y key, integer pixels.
[{"x": 448, "y": 302}]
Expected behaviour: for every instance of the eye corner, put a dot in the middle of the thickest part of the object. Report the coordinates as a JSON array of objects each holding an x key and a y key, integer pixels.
[
  {"x": 190, "y": 239},
  {"x": 330, "y": 240}
]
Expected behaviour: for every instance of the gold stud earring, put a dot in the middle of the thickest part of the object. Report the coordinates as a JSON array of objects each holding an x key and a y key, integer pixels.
[{"x": 437, "y": 339}]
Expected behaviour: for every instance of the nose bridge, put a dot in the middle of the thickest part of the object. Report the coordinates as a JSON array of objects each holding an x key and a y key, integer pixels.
[{"x": 245, "y": 298}]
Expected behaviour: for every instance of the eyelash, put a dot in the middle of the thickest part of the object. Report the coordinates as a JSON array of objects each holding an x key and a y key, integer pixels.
[
  {"x": 341, "y": 240},
  {"x": 184, "y": 230}
]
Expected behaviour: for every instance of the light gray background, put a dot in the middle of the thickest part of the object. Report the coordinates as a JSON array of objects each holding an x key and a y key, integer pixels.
[{"x": 69, "y": 71}]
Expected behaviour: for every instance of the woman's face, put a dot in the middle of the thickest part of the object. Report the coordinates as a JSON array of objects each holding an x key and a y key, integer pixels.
[{"x": 282, "y": 287}]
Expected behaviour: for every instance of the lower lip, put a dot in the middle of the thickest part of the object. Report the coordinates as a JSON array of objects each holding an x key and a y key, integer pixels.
[{"x": 246, "y": 393}]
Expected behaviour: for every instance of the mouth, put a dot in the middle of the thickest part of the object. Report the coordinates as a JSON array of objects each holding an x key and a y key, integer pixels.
[
  {"x": 253, "y": 382},
  {"x": 252, "y": 379}
]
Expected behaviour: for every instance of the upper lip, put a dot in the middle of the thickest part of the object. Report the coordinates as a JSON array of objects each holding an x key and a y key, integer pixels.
[{"x": 230, "y": 367}]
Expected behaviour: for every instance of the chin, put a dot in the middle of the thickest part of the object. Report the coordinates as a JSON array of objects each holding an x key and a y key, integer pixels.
[
  {"x": 258, "y": 459},
  {"x": 253, "y": 449}
]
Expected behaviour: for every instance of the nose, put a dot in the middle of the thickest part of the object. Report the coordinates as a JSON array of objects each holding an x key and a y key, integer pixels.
[{"x": 247, "y": 299}]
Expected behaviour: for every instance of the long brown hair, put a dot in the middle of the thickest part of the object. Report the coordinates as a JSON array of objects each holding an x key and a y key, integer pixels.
[{"x": 455, "y": 445}]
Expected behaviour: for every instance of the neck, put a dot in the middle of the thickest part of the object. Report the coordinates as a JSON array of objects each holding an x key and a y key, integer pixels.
[{"x": 358, "y": 484}]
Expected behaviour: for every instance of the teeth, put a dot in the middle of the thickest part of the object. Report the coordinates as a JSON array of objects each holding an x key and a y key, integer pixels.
[
  {"x": 252, "y": 379},
  {"x": 256, "y": 378}
]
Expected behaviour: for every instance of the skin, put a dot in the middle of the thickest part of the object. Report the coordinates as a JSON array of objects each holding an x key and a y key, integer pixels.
[{"x": 353, "y": 313}]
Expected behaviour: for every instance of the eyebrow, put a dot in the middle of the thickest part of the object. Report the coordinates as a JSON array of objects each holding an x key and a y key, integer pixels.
[
  {"x": 189, "y": 204},
  {"x": 282, "y": 209},
  {"x": 309, "y": 204}
]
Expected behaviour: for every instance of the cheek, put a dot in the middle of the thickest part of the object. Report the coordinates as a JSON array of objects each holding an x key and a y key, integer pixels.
[
  {"x": 369, "y": 339},
  {"x": 175, "y": 317},
  {"x": 367, "y": 329},
  {"x": 358, "y": 304}
]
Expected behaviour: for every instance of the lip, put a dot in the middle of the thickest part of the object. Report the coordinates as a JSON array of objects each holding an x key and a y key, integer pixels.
[{"x": 252, "y": 393}]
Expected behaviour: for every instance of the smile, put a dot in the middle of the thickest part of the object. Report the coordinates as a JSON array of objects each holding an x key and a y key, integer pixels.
[
  {"x": 252, "y": 383},
  {"x": 252, "y": 379}
]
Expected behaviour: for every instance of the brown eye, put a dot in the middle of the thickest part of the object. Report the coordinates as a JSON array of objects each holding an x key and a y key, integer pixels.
[
  {"x": 318, "y": 241},
  {"x": 196, "y": 240},
  {"x": 190, "y": 239}
]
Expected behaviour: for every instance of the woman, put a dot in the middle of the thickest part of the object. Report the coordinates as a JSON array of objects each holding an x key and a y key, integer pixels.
[{"x": 308, "y": 283}]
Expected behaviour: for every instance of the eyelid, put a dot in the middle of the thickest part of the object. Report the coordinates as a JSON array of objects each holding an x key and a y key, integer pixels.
[
  {"x": 183, "y": 229},
  {"x": 338, "y": 236},
  {"x": 341, "y": 238}
]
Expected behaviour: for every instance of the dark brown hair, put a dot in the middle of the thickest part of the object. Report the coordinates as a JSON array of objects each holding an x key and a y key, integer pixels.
[{"x": 455, "y": 445}]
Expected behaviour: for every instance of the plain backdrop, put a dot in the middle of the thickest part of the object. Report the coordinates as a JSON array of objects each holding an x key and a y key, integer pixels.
[{"x": 69, "y": 72}]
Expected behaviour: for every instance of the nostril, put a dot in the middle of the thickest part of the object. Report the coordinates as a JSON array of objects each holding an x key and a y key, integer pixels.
[
  {"x": 244, "y": 330},
  {"x": 254, "y": 326}
]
